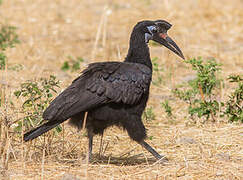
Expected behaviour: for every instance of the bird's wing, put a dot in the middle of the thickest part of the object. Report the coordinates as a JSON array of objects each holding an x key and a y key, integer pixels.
[{"x": 99, "y": 84}]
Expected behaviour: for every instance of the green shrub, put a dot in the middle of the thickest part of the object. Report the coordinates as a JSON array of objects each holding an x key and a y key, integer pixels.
[
  {"x": 8, "y": 37},
  {"x": 157, "y": 72},
  {"x": 234, "y": 106},
  {"x": 200, "y": 93},
  {"x": 2, "y": 61},
  {"x": 15, "y": 67},
  {"x": 37, "y": 95},
  {"x": 167, "y": 108},
  {"x": 72, "y": 64},
  {"x": 148, "y": 114}
]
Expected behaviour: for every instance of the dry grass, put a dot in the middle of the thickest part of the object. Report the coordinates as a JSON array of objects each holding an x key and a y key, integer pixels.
[{"x": 52, "y": 30}]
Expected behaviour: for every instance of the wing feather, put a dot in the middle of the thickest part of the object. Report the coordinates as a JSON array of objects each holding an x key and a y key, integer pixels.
[{"x": 101, "y": 83}]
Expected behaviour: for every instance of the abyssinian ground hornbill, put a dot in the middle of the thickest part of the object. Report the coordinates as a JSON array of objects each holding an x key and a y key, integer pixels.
[{"x": 113, "y": 93}]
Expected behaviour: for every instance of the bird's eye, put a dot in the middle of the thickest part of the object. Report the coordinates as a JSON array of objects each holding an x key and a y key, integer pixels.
[{"x": 152, "y": 29}]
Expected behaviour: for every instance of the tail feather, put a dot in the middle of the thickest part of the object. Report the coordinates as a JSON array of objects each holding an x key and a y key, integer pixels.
[{"x": 40, "y": 130}]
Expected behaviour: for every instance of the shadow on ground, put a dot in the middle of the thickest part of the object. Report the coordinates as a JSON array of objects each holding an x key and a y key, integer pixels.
[{"x": 138, "y": 159}]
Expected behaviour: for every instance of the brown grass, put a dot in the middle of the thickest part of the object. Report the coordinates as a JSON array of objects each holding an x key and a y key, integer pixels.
[{"x": 52, "y": 30}]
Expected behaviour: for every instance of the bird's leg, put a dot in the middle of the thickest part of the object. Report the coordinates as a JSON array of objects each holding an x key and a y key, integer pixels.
[
  {"x": 152, "y": 151},
  {"x": 90, "y": 135},
  {"x": 101, "y": 145}
]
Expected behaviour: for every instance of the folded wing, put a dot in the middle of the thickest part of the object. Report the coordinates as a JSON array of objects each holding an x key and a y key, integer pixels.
[{"x": 99, "y": 84}]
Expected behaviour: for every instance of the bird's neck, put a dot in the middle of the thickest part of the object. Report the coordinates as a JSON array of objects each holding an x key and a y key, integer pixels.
[{"x": 138, "y": 51}]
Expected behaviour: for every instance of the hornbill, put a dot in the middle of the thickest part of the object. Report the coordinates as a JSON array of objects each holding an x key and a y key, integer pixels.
[{"x": 113, "y": 93}]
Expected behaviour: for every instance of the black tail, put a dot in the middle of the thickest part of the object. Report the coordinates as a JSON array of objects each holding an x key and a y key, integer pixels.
[{"x": 41, "y": 130}]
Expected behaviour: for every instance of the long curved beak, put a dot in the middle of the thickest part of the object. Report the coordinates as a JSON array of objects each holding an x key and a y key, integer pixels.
[{"x": 165, "y": 40}]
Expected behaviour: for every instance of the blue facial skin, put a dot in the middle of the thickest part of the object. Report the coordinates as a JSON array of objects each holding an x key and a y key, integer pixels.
[{"x": 148, "y": 36}]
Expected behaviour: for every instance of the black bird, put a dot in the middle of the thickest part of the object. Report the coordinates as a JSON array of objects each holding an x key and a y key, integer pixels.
[{"x": 113, "y": 93}]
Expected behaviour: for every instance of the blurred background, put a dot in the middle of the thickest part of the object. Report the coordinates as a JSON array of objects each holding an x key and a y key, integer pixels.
[{"x": 52, "y": 30}]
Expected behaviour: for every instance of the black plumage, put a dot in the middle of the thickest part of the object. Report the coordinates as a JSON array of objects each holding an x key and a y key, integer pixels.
[{"x": 113, "y": 93}]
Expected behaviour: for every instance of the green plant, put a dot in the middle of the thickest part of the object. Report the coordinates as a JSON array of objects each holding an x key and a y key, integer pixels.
[
  {"x": 234, "y": 106},
  {"x": 150, "y": 138},
  {"x": 148, "y": 114},
  {"x": 37, "y": 96},
  {"x": 15, "y": 67},
  {"x": 8, "y": 37},
  {"x": 0, "y": 98},
  {"x": 200, "y": 93},
  {"x": 72, "y": 64},
  {"x": 2, "y": 61},
  {"x": 157, "y": 77},
  {"x": 167, "y": 108}
]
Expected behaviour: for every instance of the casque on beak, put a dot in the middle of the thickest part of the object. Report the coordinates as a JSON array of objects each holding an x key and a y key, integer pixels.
[{"x": 165, "y": 40}]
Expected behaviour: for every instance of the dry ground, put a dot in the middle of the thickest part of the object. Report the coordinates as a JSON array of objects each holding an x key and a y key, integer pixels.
[{"x": 52, "y": 30}]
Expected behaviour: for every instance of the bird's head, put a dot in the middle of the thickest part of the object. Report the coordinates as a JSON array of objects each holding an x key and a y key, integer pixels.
[{"x": 157, "y": 31}]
